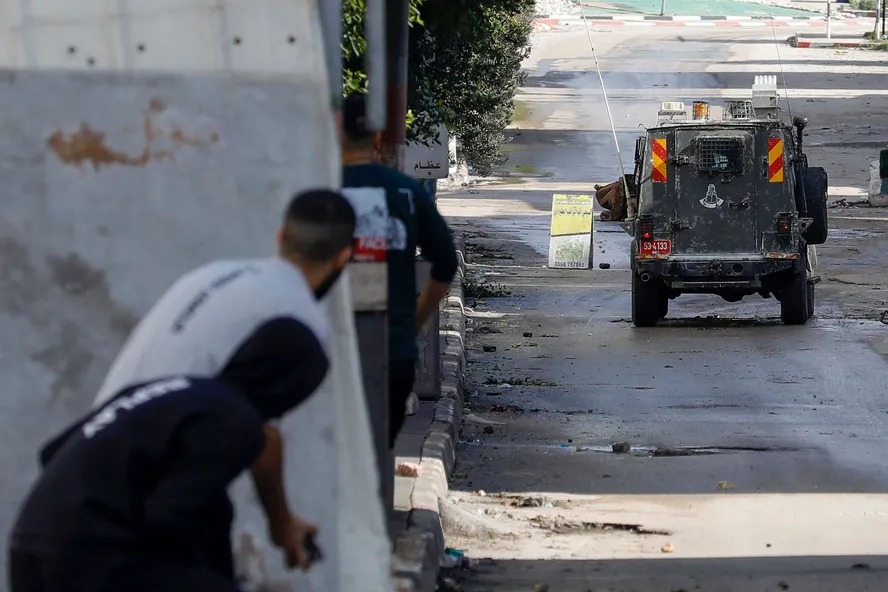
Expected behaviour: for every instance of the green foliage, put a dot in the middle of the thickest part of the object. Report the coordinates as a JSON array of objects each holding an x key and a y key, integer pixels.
[
  {"x": 354, "y": 44},
  {"x": 865, "y": 4},
  {"x": 465, "y": 68}
]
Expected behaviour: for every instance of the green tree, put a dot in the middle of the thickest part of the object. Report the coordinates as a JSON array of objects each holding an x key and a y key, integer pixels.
[{"x": 465, "y": 68}]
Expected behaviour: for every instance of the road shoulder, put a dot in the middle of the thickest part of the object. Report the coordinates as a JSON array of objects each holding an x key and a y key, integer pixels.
[{"x": 429, "y": 444}]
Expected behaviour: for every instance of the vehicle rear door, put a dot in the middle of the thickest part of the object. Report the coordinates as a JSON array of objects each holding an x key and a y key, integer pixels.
[{"x": 714, "y": 193}]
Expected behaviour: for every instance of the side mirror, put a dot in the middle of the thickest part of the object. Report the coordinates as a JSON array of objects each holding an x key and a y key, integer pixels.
[{"x": 800, "y": 122}]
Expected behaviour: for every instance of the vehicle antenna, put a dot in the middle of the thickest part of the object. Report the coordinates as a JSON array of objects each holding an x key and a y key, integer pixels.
[
  {"x": 780, "y": 62},
  {"x": 606, "y": 102}
]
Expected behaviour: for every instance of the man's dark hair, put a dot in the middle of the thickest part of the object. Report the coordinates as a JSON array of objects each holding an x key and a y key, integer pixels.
[
  {"x": 354, "y": 120},
  {"x": 318, "y": 224}
]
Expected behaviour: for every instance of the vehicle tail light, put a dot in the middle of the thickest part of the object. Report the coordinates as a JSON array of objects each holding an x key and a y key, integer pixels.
[
  {"x": 784, "y": 225},
  {"x": 646, "y": 227}
]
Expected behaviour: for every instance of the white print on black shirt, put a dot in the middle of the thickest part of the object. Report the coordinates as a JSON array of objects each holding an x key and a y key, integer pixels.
[
  {"x": 203, "y": 295},
  {"x": 375, "y": 229},
  {"x": 409, "y": 195},
  {"x": 142, "y": 395}
]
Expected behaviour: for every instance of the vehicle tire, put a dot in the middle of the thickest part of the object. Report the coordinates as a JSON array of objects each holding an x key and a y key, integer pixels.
[
  {"x": 816, "y": 190},
  {"x": 794, "y": 299},
  {"x": 645, "y": 302},
  {"x": 664, "y": 306}
]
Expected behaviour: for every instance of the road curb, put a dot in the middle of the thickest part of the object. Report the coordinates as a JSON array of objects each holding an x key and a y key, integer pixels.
[
  {"x": 800, "y": 42},
  {"x": 418, "y": 551}
]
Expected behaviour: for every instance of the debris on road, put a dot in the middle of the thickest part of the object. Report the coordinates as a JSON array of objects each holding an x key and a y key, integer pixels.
[
  {"x": 667, "y": 548},
  {"x": 861, "y": 566},
  {"x": 471, "y": 418},
  {"x": 559, "y": 525},
  {"x": 725, "y": 486},
  {"x": 622, "y": 448},
  {"x": 528, "y": 502},
  {"x": 411, "y": 470},
  {"x": 488, "y": 348},
  {"x": 455, "y": 558},
  {"x": 604, "y": 265},
  {"x": 528, "y": 334},
  {"x": 488, "y": 429}
]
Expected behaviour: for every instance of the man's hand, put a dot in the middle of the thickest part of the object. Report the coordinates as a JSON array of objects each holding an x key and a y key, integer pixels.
[
  {"x": 428, "y": 301},
  {"x": 292, "y": 537}
]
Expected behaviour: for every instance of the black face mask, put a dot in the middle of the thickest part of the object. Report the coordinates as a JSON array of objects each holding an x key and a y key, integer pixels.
[{"x": 327, "y": 284}]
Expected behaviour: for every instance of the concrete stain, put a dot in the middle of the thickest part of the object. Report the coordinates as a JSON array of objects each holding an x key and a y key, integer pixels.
[
  {"x": 16, "y": 273},
  {"x": 73, "y": 275},
  {"x": 67, "y": 359},
  {"x": 77, "y": 277},
  {"x": 88, "y": 146}
]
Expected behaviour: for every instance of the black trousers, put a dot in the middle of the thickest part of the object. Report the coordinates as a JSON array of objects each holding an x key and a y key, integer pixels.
[
  {"x": 402, "y": 374},
  {"x": 110, "y": 571}
]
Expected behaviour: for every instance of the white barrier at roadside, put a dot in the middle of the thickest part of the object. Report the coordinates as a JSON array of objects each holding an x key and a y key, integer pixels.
[{"x": 117, "y": 180}]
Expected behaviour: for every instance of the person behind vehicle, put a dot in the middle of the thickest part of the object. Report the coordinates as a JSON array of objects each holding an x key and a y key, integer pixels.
[
  {"x": 414, "y": 221},
  {"x": 134, "y": 496}
]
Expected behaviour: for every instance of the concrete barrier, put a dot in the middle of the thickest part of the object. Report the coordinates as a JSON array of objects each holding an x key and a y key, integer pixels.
[{"x": 117, "y": 182}]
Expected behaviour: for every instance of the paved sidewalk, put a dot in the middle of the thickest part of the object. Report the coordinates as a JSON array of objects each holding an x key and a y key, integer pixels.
[
  {"x": 709, "y": 7},
  {"x": 428, "y": 442},
  {"x": 819, "y": 22}
]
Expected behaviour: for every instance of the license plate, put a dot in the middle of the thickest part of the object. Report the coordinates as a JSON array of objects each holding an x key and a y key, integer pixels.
[{"x": 656, "y": 248}]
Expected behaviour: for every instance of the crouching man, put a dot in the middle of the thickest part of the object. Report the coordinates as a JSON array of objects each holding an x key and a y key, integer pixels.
[{"x": 134, "y": 496}]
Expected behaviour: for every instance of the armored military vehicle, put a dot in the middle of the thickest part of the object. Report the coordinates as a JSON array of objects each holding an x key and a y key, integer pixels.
[{"x": 725, "y": 206}]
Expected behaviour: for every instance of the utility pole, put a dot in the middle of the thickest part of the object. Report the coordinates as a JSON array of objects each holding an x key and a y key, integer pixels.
[
  {"x": 331, "y": 22},
  {"x": 375, "y": 60},
  {"x": 663, "y": 8},
  {"x": 397, "y": 37},
  {"x": 884, "y": 4},
  {"x": 829, "y": 19}
]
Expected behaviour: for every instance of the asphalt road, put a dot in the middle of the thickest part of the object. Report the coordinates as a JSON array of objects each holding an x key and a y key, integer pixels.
[{"x": 755, "y": 457}]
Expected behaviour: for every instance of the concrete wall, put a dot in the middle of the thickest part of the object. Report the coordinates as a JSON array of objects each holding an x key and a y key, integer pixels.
[{"x": 115, "y": 183}]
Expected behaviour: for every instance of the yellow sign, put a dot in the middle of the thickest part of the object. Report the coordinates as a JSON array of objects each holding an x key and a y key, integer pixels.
[
  {"x": 570, "y": 242},
  {"x": 571, "y": 214}
]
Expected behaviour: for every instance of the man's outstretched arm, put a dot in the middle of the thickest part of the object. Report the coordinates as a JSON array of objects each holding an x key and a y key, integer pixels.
[
  {"x": 278, "y": 368},
  {"x": 286, "y": 530}
]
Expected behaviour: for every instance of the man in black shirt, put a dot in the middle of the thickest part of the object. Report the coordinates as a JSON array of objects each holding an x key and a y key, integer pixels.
[
  {"x": 414, "y": 221},
  {"x": 134, "y": 496}
]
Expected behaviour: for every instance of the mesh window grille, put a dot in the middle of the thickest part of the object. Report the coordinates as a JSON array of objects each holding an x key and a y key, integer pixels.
[{"x": 720, "y": 155}]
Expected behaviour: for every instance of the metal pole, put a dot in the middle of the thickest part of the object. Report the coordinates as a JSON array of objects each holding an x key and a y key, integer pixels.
[
  {"x": 331, "y": 24},
  {"x": 630, "y": 211},
  {"x": 884, "y": 4},
  {"x": 398, "y": 30},
  {"x": 828, "y": 19},
  {"x": 374, "y": 29},
  {"x": 663, "y": 8}
]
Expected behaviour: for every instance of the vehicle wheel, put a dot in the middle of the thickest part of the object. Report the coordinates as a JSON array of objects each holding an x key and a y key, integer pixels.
[
  {"x": 810, "y": 299},
  {"x": 816, "y": 190},
  {"x": 794, "y": 300},
  {"x": 645, "y": 302},
  {"x": 664, "y": 306}
]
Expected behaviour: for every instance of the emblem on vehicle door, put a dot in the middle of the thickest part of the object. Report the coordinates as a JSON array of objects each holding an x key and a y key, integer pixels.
[{"x": 712, "y": 200}]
